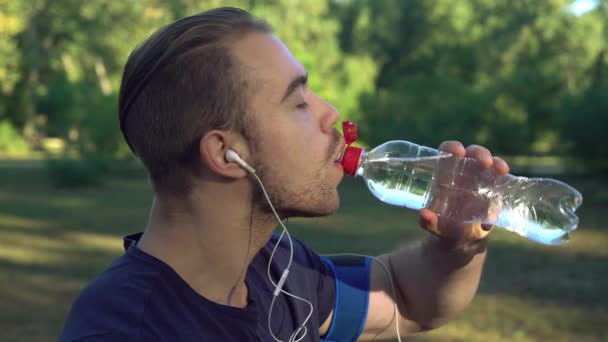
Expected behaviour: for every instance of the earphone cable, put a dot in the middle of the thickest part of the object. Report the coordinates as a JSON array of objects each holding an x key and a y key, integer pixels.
[{"x": 278, "y": 286}]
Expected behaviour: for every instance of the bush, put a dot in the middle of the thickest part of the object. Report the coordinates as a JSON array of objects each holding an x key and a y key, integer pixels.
[
  {"x": 76, "y": 173},
  {"x": 11, "y": 142},
  {"x": 585, "y": 122}
]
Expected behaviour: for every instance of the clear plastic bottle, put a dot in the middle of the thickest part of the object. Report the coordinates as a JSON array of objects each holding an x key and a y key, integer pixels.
[{"x": 458, "y": 188}]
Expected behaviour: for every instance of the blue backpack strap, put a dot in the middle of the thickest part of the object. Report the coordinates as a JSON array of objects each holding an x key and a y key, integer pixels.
[{"x": 352, "y": 276}]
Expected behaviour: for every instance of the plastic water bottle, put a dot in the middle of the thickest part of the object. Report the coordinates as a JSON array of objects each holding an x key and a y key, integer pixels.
[{"x": 458, "y": 188}]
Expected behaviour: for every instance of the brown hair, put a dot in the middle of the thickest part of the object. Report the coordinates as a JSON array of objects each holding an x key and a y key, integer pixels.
[{"x": 179, "y": 84}]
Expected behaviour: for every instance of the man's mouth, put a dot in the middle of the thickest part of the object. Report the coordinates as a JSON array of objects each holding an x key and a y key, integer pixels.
[
  {"x": 339, "y": 158},
  {"x": 340, "y": 154}
]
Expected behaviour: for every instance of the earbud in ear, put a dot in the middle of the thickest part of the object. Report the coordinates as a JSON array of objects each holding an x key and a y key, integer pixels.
[{"x": 232, "y": 156}]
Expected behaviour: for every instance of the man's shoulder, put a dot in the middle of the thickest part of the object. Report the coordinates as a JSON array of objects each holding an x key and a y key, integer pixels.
[
  {"x": 299, "y": 247},
  {"x": 302, "y": 253},
  {"x": 114, "y": 302},
  {"x": 127, "y": 275},
  {"x": 308, "y": 271}
]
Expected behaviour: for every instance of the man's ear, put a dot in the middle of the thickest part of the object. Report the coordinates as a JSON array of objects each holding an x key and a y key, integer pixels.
[{"x": 212, "y": 148}]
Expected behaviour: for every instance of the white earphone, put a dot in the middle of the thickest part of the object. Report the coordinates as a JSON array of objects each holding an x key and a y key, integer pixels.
[
  {"x": 300, "y": 333},
  {"x": 234, "y": 157}
]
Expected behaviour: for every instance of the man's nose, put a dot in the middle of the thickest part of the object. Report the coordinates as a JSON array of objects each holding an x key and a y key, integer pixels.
[{"x": 330, "y": 117}]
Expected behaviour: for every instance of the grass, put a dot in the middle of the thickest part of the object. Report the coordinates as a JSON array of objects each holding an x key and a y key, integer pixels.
[{"x": 54, "y": 241}]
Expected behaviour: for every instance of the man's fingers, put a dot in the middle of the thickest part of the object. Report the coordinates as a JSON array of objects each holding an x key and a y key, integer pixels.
[
  {"x": 452, "y": 230},
  {"x": 429, "y": 221},
  {"x": 480, "y": 153},
  {"x": 501, "y": 166},
  {"x": 454, "y": 147}
]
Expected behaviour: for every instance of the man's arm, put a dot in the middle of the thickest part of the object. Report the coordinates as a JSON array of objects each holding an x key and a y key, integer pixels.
[{"x": 433, "y": 283}]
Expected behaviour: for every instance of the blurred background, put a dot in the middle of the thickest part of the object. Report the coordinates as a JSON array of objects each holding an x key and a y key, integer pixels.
[{"x": 528, "y": 79}]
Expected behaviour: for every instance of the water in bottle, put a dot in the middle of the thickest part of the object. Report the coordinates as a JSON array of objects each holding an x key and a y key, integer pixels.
[{"x": 458, "y": 188}]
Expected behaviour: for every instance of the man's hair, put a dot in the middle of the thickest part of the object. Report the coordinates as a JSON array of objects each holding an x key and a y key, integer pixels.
[{"x": 179, "y": 84}]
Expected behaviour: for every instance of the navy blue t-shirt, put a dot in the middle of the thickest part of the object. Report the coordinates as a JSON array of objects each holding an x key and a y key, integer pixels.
[{"x": 140, "y": 298}]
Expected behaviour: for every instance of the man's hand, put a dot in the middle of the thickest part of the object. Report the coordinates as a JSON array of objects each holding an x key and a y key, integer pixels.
[{"x": 459, "y": 186}]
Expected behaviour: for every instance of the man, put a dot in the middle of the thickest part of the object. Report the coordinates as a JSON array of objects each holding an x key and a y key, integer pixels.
[{"x": 221, "y": 81}]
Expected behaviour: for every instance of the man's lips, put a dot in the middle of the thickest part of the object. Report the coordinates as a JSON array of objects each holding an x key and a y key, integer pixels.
[{"x": 340, "y": 152}]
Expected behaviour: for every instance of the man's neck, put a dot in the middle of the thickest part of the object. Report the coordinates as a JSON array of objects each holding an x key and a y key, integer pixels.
[{"x": 209, "y": 245}]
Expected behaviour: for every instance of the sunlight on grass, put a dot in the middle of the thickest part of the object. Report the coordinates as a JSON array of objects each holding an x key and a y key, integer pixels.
[
  {"x": 509, "y": 318},
  {"x": 31, "y": 242},
  {"x": 96, "y": 241},
  {"x": 39, "y": 249},
  {"x": 588, "y": 241},
  {"x": 21, "y": 255},
  {"x": 13, "y": 221},
  {"x": 584, "y": 241}
]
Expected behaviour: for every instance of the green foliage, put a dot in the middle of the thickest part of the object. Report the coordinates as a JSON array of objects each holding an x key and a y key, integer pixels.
[
  {"x": 513, "y": 75},
  {"x": 586, "y": 126},
  {"x": 11, "y": 142},
  {"x": 488, "y": 72},
  {"x": 67, "y": 62}
]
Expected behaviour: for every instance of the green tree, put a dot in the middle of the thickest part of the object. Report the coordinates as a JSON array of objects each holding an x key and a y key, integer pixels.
[
  {"x": 69, "y": 55},
  {"x": 586, "y": 112},
  {"x": 489, "y": 72},
  {"x": 60, "y": 67}
]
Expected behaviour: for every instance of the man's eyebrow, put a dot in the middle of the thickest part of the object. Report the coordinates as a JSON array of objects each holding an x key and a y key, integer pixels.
[{"x": 293, "y": 85}]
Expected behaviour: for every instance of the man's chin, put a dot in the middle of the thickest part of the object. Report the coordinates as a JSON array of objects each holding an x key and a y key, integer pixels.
[
  {"x": 328, "y": 206},
  {"x": 326, "y": 210}
]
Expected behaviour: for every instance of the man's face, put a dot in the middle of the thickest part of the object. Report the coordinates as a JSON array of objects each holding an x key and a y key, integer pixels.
[{"x": 295, "y": 143}]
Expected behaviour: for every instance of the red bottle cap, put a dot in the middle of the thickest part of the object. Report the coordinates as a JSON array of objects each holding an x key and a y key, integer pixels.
[
  {"x": 350, "y": 160},
  {"x": 352, "y": 155},
  {"x": 350, "y": 132}
]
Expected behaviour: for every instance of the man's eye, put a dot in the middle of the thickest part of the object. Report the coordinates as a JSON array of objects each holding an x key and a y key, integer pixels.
[{"x": 302, "y": 105}]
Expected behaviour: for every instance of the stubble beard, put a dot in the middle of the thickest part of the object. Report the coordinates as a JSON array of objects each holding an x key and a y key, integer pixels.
[{"x": 315, "y": 199}]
